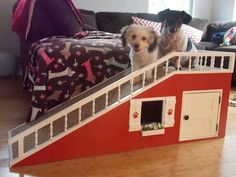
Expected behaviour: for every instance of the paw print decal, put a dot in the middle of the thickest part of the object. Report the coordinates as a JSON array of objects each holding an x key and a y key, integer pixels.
[
  {"x": 135, "y": 115},
  {"x": 170, "y": 111}
]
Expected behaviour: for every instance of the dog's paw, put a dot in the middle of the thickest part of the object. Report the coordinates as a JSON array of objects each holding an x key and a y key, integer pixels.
[{"x": 178, "y": 68}]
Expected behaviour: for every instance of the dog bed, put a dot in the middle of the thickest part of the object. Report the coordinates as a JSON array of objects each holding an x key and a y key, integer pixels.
[{"x": 60, "y": 67}]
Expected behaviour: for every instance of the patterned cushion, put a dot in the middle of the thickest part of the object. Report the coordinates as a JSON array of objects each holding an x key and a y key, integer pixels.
[
  {"x": 194, "y": 34},
  {"x": 146, "y": 23},
  {"x": 230, "y": 37}
]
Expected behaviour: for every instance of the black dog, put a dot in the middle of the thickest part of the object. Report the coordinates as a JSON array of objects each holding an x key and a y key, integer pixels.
[{"x": 173, "y": 38}]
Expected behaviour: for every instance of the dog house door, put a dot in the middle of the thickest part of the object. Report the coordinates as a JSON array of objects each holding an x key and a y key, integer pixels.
[{"x": 199, "y": 118}]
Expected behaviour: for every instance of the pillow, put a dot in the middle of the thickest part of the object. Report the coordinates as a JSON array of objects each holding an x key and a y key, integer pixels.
[
  {"x": 230, "y": 37},
  {"x": 194, "y": 34},
  {"x": 146, "y": 23}
]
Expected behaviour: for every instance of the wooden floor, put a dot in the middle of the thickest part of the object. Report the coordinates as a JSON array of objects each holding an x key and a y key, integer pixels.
[{"x": 211, "y": 158}]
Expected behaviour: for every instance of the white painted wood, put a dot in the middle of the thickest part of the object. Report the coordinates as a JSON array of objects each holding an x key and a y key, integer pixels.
[
  {"x": 144, "y": 78},
  {"x": 169, "y": 111},
  {"x": 178, "y": 67},
  {"x": 167, "y": 67},
  {"x": 203, "y": 108},
  {"x": 153, "y": 132},
  {"x": 36, "y": 138},
  {"x": 190, "y": 64},
  {"x": 135, "y": 115},
  {"x": 65, "y": 122},
  {"x": 105, "y": 90},
  {"x": 51, "y": 130},
  {"x": 167, "y": 118},
  {"x": 79, "y": 115}
]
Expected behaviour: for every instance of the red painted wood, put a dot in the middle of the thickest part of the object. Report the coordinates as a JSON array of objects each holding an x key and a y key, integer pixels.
[{"x": 109, "y": 133}]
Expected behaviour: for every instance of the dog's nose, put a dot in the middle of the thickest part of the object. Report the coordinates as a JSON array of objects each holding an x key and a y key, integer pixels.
[{"x": 136, "y": 46}]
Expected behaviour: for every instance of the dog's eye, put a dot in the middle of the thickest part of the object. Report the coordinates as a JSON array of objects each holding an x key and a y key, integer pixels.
[
  {"x": 134, "y": 36},
  {"x": 144, "y": 38}
]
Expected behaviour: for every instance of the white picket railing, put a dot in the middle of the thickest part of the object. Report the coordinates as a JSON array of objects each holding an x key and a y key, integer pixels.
[{"x": 209, "y": 62}]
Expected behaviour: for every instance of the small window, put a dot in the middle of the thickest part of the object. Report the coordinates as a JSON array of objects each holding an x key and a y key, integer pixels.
[{"x": 152, "y": 115}]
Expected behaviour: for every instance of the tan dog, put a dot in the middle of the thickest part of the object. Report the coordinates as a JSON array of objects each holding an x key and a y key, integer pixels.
[{"x": 143, "y": 46}]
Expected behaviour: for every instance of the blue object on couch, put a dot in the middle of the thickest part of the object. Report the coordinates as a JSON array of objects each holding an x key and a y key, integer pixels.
[{"x": 217, "y": 37}]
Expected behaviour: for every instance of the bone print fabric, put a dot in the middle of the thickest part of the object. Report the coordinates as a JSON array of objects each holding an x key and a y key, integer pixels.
[{"x": 60, "y": 68}]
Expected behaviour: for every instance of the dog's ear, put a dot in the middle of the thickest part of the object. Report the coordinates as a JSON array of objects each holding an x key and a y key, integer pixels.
[
  {"x": 123, "y": 35},
  {"x": 186, "y": 17},
  {"x": 162, "y": 15},
  {"x": 153, "y": 40}
]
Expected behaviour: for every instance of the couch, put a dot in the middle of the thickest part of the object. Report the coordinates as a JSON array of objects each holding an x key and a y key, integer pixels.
[{"x": 113, "y": 21}]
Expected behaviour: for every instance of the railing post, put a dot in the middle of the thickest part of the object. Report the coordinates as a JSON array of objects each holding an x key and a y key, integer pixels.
[
  {"x": 232, "y": 63},
  {"x": 190, "y": 63},
  {"x": 212, "y": 62},
  {"x": 131, "y": 86},
  {"x": 20, "y": 147},
  {"x": 51, "y": 130},
  {"x": 144, "y": 78},
  {"x": 178, "y": 64},
  {"x": 65, "y": 123},
  {"x": 106, "y": 103},
  {"x": 119, "y": 94},
  {"x": 93, "y": 107},
  {"x": 80, "y": 115},
  {"x": 200, "y": 62},
  {"x": 155, "y": 73},
  {"x": 167, "y": 66},
  {"x": 36, "y": 138}
]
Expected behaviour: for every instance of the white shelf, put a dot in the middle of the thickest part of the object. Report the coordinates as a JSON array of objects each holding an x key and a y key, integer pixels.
[{"x": 152, "y": 132}]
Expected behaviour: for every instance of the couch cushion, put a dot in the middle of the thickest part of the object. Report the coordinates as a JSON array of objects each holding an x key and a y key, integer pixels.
[
  {"x": 90, "y": 22},
  {"x": 113, "y": 21},
  {"x": 208, "y": 45},
  {"x": 200, "y": 24},
  {"x": 231, "y": 48}
]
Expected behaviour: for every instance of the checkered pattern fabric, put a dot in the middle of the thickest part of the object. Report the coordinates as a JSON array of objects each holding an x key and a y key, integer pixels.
[
  {"x": 194, "y": 34},
  {"x": 146, "y": 23}
]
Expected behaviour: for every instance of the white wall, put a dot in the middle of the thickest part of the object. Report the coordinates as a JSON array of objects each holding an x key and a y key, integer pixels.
[
  {"x": 214, "y": 10},
  {"x": 114, "y": 5},
  {"x": 202, "y": 9},
  {"x": 8, "y": 40},
  {"x": 223, "y": 10}
]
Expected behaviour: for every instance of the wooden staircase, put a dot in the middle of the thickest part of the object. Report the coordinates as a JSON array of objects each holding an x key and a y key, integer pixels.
[{"x": 27, "y": 139}]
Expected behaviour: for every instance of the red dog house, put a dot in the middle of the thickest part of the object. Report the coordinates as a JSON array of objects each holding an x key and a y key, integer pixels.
[{"x": 176, "y": 106}]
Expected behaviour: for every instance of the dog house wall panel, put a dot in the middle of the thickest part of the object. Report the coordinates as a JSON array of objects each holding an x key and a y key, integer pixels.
[{"x": 110, "y": 132}]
